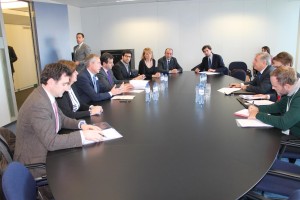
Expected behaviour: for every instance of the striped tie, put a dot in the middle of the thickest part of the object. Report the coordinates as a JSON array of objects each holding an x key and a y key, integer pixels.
[{"x": 56, "y": 116}]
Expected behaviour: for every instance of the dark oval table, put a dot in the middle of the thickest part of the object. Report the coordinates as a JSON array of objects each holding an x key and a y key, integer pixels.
[{"x": 171, "y": 149}]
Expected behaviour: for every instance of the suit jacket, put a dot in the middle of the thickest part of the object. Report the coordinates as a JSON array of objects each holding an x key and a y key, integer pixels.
[
  {"x": 105, "y": 85},
  {"x": 263, "y": 84},
  {"x": 121, "y": 73},
  {"x": 80, "y": 54},
  {"x": 162, "y": 65},
  {"x": 85, "y": 88},
  {"x": 36, "y": 129},
  {"x": 66, "y": 106},
  {"x": 12, "y": 57},
  {"x": 148, "y": 72},
  {"x": 217, "y": 64}
]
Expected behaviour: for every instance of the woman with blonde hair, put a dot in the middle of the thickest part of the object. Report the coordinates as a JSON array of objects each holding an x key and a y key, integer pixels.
[
  {"x": 147, "y": 64},
  {"x": 70, "y": 103}
]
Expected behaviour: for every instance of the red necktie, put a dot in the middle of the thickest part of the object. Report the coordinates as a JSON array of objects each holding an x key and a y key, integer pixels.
[
  {"x": 56, "y": 116},
  {"x": 278, "y": 98}
]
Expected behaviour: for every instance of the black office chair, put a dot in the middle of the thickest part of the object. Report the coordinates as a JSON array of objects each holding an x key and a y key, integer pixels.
[
  {"x": 254, "y": 196},
  {"x": 237, "y": 65},
  {"x": 239, "y": 74}
]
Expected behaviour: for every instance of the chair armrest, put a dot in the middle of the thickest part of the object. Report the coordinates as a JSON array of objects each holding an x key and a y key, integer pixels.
[
  {"x": 36, "y": 165},
  {"x": 254, "y": 196},
  {"x": 284, "y": 174}
]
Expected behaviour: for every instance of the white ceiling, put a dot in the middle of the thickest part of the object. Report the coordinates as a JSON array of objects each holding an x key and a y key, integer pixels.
[{"x": 96, "y": 3}]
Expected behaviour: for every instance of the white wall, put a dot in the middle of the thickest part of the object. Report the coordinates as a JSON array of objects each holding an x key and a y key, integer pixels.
[
  {"x": 236, "y": 29},
  {"x": 74, "y": 24}
]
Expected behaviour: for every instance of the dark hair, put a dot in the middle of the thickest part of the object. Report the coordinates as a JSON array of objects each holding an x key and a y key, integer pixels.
[
  {"x": 285, "y": 58},
  {"x": 285, "y": 75},
  {"x": 104, "y": 57},
  {"x": 206, "y": 46},
  {"x": 70, "y": 64},
  {"x": 169, "y": 49},
  {"x": 126, "y": 52},
  {"x": 80, "y": 34},
  {"x": 267, "y": 49},
  {"x": 54, "y": 71}
]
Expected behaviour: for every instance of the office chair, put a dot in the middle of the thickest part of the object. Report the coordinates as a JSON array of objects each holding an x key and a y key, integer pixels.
[
  {"x": 290, "y": 150},
  {"x": 18, "y": 183},
  {"x": 254, "y": 196},
  {"x": 239, "y": 74},
  {"x": 237, "y": 65}
]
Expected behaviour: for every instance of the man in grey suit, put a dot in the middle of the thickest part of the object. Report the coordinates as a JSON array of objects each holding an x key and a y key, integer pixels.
[
  {"x": 168, "y": 64},
  {"x": 106, "y": 77},
  {"x": 81, "y": 51},
  {"x": 40, "y": 120}
]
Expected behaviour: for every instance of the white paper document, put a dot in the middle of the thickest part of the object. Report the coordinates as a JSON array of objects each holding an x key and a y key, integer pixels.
[
  {"x": 249, "y": 97},
  {"x": 261, "y": 102},
  {"x": 228, "y": 90},
  {"x": 123, "y": 97},
  {"x": 251, "y": 123},
  {"x": 110, "y": 134},
  {"x": 138, "y": 84},
  {"x": 136, "y": 91},
  {"x": 242, "y": 113},
  {"x": 209, "y": 73}
]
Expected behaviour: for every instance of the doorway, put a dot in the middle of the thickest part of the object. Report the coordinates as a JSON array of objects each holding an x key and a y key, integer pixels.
[{"x": 19, "y": 36}]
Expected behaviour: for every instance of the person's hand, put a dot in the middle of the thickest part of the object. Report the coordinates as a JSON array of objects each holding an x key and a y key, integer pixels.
[
  {"x": 96, "y": 110},
  {"x": 77, "y": 62},
  {"x": 126, "y": 87},
  {"x": 156, "y": 75},
  {"x": 197, "y": 70},
  {"x": 173, "y": 71},
  {"x": 93, "y": 135},
  {"x": 140, "y": 77},
  {"x": 211, "y": 70},
  {"x": 234, "y": 85},
  {"x": 116, "y": 90},
  {"x": 244, "y": 87},
  {"x": 90, "y": 127},
  {"x": 261, "y": 96},
  {"x": 253, "y": 110}
]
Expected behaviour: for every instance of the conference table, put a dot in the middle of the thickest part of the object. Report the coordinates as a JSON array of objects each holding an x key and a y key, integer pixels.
[{"x": 170, "y": 149}]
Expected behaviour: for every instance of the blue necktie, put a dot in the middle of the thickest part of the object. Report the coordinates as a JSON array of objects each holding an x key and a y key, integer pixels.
[
  {"x": 258, "y": 75},
  {"x": 209, "y": 63},
  {"x": 168, "y": 65},
  {"x": 95, "y": 84}
]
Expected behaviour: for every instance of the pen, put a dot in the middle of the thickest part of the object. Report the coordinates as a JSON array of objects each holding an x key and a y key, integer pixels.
[{"x": 102, "y": 135}]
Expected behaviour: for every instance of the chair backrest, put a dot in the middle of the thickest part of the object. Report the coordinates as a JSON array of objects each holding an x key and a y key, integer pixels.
[
  {"x": 7, "y": 146},
  {"x": 239, "y": 74},
  {"x": 237, "y": 65},
  {"x": 18, "y": 183},
  {"x": 295, "y": 195}
]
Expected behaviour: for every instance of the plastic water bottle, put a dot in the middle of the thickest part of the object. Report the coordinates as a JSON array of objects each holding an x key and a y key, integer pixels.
[
  {"x": 147, "y": 93},
  {"x": 162, "y": 77},
  {"x": 155, "y": 92},
  {"x": 203, "y": 79},
  {"x": 201, "y": 94},
  {"x": 166, "y": 77},
  {"x": 197, "y": 94}
]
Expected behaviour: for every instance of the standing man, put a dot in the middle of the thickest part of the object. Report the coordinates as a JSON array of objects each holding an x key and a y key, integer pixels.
[
  {"x": 283, "y": 114},
  {"x": 40, "y": 119},
  {"x": 12, "y": 57},
  {"x": 81, "y": 51},
  {"x": 106, "y": 76},
  {"x": 261, "y": 84},
  {"x": 168, "y": 63},
  {"x": 88, "y": 85},
  {"x": 211, "y": 62},
  {"x": 122, "y": 69}
]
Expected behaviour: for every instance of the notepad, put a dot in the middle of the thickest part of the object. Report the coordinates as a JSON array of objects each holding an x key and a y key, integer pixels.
[
  {"x": 228, "y": 90},
  {"x": 136, "y": 91},
  {"x": 209, "y": 73},
  {"x": 123, "y": 97},
  {"x": 250, "y": 97},
  {"x": 251, "y": 123},
  {"x": 242, "y": 113},
  {"x": 261, "y": 102},
  {"x": 138, "y": 84}
]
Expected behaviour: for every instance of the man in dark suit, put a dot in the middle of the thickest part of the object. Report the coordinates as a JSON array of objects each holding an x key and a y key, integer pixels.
[
  {"x": 261, "y": 84},
  {"x": 81, "y": 51},
  {"x": 122, "y": 69},
  {"x": 40, "y": 119},
  {"x": 106, "y": 76},
  {"x": 12, "y": 57},
  {"x": 211, "y": 62},
  {"x": 168, "y": 64},
  {"x": 88, "y": 85}
]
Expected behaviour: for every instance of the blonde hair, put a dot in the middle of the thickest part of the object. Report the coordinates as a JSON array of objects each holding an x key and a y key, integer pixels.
[{"x": 146, "y": 50}]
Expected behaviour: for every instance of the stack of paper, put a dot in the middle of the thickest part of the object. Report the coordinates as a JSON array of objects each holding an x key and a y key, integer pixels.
[
  {"x": 261, "y": 102},
  {"x": 138, "y": 84},
  {"x": 123, "y": 97},
  {"x": 251, "y": 123},
  {"x": 250, "y": 97},
  {"x": 228, "y": 90},
  {"x": 242, "y": 113},
  {"x": 136, "y": 91},
  {"x": 209, "y": 73}
]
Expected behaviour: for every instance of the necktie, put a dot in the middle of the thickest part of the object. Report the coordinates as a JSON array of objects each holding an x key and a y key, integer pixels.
[
  {"x": 168, "y": 64},
  {"x": 258, "y": 75},
  {"x": 56, "y": 116},
  {"x": 209, "y": 63},
  {"x": 109, "y": 77},
  {"x": 278, "y": 98},
  {"x": 95, "y": 84}
]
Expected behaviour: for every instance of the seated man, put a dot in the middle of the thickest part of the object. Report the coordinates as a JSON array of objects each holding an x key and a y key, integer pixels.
[
  {"x": 283, "y": 59},
  {"x": 211, "y": 62},
  {"x": 168, "y": 63},
  {"x": 261, "y": 83},
  {"x": 286, "y": 84},
  {"x": 122, "y": 69},
  {"x": 40, "y": 119},
  {"x": 106, "y": 77},
  {"x": 88, "y": 85}
]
